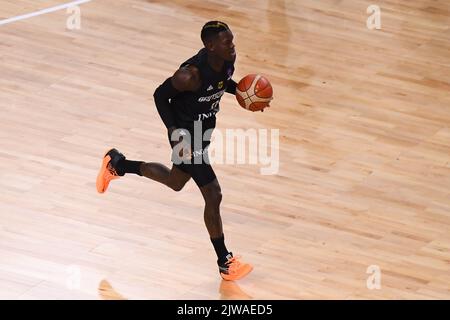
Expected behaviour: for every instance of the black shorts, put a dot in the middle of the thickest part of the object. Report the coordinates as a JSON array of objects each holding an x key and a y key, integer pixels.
[
  {"x": 202, "y": 174},
  {"x": 199, "y": 167}
]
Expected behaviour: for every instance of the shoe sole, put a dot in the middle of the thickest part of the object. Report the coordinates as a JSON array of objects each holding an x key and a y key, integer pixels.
[{"x": 246, "y": 270}]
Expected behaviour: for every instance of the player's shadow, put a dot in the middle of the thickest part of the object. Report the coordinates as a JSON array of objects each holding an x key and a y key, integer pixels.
[
  {"x": 107, "y": 292},
  {"x": 229, "y": 290}
]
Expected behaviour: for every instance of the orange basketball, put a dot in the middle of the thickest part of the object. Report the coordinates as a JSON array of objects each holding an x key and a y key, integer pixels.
[{"x": 254, "y": 92}]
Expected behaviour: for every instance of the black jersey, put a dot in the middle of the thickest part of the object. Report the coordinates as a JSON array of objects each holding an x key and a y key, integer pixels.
[{"x": 203, "y": 104}]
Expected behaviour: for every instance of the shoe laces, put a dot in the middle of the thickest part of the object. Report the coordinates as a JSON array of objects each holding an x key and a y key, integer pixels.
[
  {"x": 233, "y": 264},
  {"x": 111, "y": 169}
]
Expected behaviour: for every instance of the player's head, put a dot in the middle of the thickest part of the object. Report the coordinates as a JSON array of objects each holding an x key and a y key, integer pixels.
[{"x": 218, "y": 40}]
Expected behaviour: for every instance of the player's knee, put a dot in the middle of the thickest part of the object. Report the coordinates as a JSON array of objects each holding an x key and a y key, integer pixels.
[
  {"x": 176, "y": 183},
  {"x": 177, "y": 186},
  {"x": 214, "y": 196},
  {"x": 217, "y": 197}
]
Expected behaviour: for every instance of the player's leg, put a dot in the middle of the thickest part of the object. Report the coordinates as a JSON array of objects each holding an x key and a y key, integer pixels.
[
  {"x": 175, "y": 178},
  {"x": 212, "y": 195},
  {"x": 230, "y": 267},
  {"x": 115, "y": 165}
]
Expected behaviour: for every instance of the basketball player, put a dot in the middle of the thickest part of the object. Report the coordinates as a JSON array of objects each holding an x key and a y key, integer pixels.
[{"x": 187, "y": 99}]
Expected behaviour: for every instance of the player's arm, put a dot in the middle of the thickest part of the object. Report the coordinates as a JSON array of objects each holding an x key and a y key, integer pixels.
[
  {"x": 231, "y": 86},
  {"x": 184, "y": 79}
]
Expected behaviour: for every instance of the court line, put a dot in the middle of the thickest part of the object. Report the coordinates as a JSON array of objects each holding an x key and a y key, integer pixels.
[{"x": 43, "y": 11}]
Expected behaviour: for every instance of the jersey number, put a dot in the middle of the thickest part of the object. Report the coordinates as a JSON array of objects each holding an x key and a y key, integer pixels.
[{"x": 214, "y": 105}]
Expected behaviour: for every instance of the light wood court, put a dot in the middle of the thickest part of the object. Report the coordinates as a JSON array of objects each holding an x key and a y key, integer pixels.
[{"x": 364, "y": 152}]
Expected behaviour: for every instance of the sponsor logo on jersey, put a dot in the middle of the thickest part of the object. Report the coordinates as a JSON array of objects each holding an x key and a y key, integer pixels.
[
  {"x": 210, "y": 88},
  {"x": 214, "y": 96},
  {"x": 204, "y": 116}
]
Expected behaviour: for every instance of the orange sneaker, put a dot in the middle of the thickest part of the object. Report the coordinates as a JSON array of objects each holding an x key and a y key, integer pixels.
[
  {"x": 234, "y": 269},
  {"x": 108, "y": 169}
]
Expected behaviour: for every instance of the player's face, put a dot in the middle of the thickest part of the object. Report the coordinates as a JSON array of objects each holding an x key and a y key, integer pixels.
[{"x": 224, "y": 46}]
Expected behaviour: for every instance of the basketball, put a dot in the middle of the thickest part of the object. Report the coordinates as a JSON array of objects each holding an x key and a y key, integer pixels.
[{"x": 254, "y": 92}]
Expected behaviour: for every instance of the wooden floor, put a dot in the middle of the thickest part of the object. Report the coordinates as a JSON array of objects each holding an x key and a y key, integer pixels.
[{"x": 364, "y": 177}]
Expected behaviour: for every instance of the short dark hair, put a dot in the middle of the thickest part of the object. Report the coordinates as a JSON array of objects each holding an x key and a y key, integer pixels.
[{"x": 211, "y": 29}]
